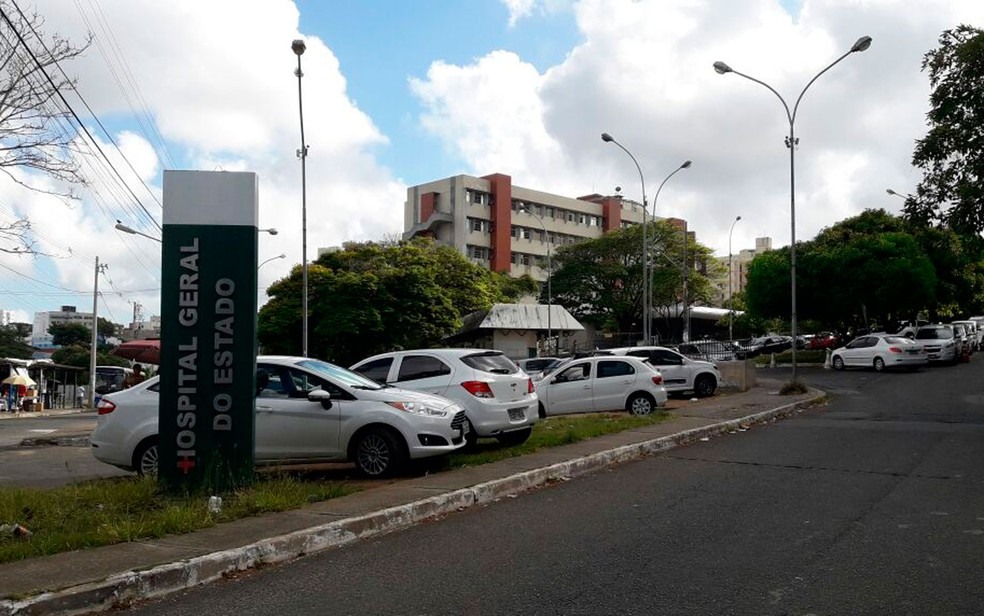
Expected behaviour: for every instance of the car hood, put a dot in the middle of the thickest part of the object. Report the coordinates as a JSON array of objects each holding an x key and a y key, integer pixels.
[{"x": 395, "y": 394}]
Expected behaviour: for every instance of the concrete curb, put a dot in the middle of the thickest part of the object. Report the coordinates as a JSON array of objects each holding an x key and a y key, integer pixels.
[
  {"x": 58, "y": 441},
  {"x": 123, "y": 589}
]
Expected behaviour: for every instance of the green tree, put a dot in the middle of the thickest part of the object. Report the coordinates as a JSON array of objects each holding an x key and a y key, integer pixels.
[
  {"x": 951, "y": 154},
  {"x": 12, "y": 343},
  {"x": 373, "y": 297},
  {"x": 68, "y": 334}
]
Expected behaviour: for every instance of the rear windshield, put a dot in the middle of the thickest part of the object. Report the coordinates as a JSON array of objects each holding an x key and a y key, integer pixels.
[
  {"x": 933, "y": 333},
  {"x": 538, "y": 364},
  {"x": 493, "y": 362},
  {"x": 897, "y": 340}
]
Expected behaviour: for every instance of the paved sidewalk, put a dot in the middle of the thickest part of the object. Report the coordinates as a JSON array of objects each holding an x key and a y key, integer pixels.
[{"x": 99, "y": 579}]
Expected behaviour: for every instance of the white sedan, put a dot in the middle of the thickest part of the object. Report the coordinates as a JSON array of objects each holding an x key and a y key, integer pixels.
[
  {"x": 603, "y": 383},
  {"x": 307, "y": 410},
  {"x": 880, "y": 352}
]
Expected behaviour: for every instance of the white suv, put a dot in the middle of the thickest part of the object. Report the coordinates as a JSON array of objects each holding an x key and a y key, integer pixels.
[
  {"x": 680, "y": 373},
  {"x": 498, "y": 397}
]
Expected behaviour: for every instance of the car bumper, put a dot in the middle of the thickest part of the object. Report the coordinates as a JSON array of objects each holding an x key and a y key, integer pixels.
[{"x": 493, "y": 418}]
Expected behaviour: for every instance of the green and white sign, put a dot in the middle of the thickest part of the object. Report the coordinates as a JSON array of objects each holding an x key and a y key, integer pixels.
[{"x": 208, "y": 330}]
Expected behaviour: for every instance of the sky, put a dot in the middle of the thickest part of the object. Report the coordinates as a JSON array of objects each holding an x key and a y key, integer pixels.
[{"x": 397, "y": 93}]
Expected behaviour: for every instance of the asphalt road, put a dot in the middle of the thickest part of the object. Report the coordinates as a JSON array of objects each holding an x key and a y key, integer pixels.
[{"x": 873, "y": 504}]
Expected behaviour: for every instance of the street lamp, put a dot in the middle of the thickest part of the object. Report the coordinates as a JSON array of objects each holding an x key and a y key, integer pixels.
[
  {"x": 264, "y": 262},
  {"x": 731, "y": 301},
  {"x": 899, "y": 195},
  {"x": 125, "y": 229},
  {"x": 546, "y": 238},
  {"x": 298, "y": 46},
  {"x": 645, "y": 246},
  {"x": 686, "y": 321},
  {"x": 721, "y": 68}
]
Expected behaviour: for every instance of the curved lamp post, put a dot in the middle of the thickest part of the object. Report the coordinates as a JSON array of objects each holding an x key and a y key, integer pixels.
[
  {"x": 731, "y": 301},
  {"x": 127, "y": 229},
  {"x": 898, "y": 194},
  {"x": 265, "y": 261},
  {"x": 683, "y": 271},
  {"x": 546, "y": 238},
  {"x": 861, "y": 44},
  {"x": 298, "y": 46},
  {"x": 645, "y": 246}
]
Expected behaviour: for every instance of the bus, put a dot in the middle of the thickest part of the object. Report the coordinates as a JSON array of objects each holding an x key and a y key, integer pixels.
[{"x": 111, "y": 378}]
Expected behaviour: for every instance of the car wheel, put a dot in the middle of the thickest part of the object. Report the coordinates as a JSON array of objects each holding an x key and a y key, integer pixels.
[
  {"x": 516, "y": 437},
  {"x": 542, "y": 411},
  {"x": 879, "y": 364},
  {"x": 838, "y": 363},
  {"x": 471, "y": 437},
  {"x": 145, "y": 457},
  {"x": 704, "y": 386},
  {"x": 640, "y": 404},
  {"x": 379, "y": 453}
]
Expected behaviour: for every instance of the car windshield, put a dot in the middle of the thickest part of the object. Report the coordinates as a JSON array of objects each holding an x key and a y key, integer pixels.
[
  {"x": 340, "y": 375},
  {"x": 493, "y": 362},
  {"x": 933, "y": 333}
]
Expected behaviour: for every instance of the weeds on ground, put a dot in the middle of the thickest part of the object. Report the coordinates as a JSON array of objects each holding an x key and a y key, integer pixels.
[{"x": 119, "y": 510}]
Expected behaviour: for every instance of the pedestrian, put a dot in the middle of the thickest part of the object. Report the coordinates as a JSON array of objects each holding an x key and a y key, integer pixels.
[
  {"x": 79, "y": 396},
  {"x": 134, "y": 378}
]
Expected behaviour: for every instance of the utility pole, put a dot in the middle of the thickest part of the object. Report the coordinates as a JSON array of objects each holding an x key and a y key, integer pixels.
[{"x": 95, "y": 334}]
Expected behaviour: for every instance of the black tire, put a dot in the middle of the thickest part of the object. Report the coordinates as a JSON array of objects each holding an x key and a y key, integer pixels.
[
  {"x": 471, "y": 437},
  {"x": 640, "y": 403},
  {"x": 704, "y": 386},
  {"x": 838, "y": 363},
  {"x": 542, "y": 412},
  {"x": 879, "y": 364},
  {"x": 378, "y": 452},
  {"x": 516, "y": 437},
  {"x": 145, "y": 457}
]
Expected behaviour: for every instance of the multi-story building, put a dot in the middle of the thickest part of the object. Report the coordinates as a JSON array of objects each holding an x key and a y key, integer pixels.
[
  {"x": 739, "y": 268},
  {"x": 489, "y": 220},
  {"x": 40, "y": 338}
]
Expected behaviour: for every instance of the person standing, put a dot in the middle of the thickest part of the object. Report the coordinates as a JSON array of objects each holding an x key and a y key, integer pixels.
[{"x": 134, "y": 378}]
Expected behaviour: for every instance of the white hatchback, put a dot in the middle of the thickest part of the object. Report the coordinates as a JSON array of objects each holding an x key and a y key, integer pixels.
[
  {"x": 498, "y": 397},
  {"x": 680, "y": 373},
  {"x": 307, "y": 410},
  {"x": 595, "y": 384}
]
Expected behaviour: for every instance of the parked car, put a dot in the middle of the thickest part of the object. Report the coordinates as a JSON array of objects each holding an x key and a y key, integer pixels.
[
  {"x": 535, "y": 366},
  {"x": 765, "y": 345},
  {"x": 824, "y": 340},
  {"x": 974, "y": 333},
  {"x": 962, "y": 333},
  {"x": 940, "y": 342},
  {"x": 709, "y": 350},
  {"x": 499, "y": 399},
  {"x": 602, "y": 383},
  {"x": 307, "y": 410},
  {"x": 680, "y": 373},
  {"x": 880, "y": 352}
]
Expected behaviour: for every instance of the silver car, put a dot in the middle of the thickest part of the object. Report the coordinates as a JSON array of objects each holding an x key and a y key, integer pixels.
[
  {"x": 881, "y": 352},
  {"x": 498, "y": 397},
  {"x": 307, "y": 410},
  {"x": 941, "y": 343}
]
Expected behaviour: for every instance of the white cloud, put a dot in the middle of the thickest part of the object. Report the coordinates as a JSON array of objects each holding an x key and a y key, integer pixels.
[{"x": 643, "y": 73}]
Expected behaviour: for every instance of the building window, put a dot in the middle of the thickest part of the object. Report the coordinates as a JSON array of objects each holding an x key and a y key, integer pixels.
[
  {"x": 513, "y": 231},
  {"x": 581, "y": 219},
  {"x": 548, "y": 212},
  {"x": 570, "y": 216},
  {"x": 479, "y": 225},
  {"x": 524, "y": 232}
]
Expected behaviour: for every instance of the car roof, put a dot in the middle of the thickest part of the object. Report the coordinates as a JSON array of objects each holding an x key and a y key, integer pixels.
[{"x": 453, "y": 353}]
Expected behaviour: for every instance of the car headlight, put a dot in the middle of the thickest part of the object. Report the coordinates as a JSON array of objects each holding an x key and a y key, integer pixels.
[{"x": 418, "y": 408}]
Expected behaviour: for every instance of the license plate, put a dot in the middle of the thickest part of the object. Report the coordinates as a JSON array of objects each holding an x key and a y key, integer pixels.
[{"x": 517, "y": 414}]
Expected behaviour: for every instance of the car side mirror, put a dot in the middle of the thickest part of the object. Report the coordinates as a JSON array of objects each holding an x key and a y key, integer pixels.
[{"x": 320, "y": 395}]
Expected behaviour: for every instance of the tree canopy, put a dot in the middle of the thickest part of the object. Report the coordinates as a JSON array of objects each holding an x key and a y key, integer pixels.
[
  {"x": 68, "y": 334},
  {"x": 12, "y": 343},
  {"x": 951, "y": 154},
  {"x": 374, "y": 297}
]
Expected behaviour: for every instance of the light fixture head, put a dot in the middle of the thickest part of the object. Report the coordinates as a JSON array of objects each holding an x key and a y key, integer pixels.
[
  {"x": 861, "y": 44},
  {"x": 271, "y": 231},
  {"x": 737, "y": 218},
  {"x": 607, "y": 138},
  {"x": 686, "y": 164},
  {"x": 298, "y": 46},
  {"x": 722, "y": 68}
]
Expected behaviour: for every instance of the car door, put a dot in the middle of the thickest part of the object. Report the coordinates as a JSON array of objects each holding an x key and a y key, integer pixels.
[
  {"x": 422, "y": 372},
  {"x": 570, "y": 390},
  {"x": 676, "y": 375},
  {"x": 613, "y": 378},
  {"x": 288, "y": 425},
  {"x": 857, "y": 351}
]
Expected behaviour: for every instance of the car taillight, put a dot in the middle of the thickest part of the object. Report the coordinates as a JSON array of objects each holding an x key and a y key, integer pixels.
[
  {"x": 894, "y": 350},
  {"x": 529, "y": 388},
  {"x": 105, "y": 407},
  {"x": 479, "y": 389},
  {"x": 658, "y": 379}
]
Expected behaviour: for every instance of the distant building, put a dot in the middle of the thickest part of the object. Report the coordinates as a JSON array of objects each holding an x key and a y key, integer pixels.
[
  {"x": 739, "y": 269},
  {"x": 41, "y": 339},
  {"x": 488, "y": 220}
]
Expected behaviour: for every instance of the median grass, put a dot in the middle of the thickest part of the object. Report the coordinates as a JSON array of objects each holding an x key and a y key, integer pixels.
[{"x": 119, "y": 510}]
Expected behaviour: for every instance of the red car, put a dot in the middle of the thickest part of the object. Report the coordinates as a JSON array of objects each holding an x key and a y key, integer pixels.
[{"x": 824, "y": 340}]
